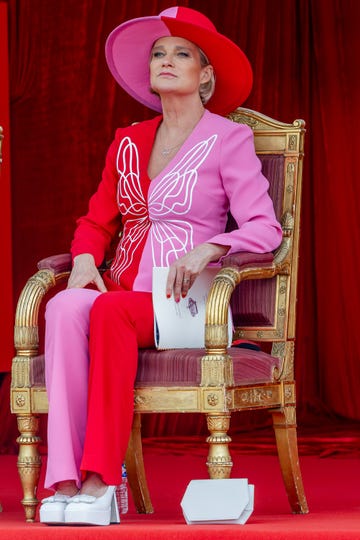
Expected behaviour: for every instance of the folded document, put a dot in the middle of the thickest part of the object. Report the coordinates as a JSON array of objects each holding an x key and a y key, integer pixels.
[{"x": 179, "y": 325}]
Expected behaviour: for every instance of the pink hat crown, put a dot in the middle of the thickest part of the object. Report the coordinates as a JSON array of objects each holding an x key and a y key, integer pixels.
[{"x": 190, "y": 16}]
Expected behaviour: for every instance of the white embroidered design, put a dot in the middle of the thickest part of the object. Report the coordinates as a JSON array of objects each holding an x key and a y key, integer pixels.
[
  {"x": 130, "y": 196},
  {"x": 170, "y": 237},
  {"x": 170, "y": 198},
  {"x": 131, "y": 201}
]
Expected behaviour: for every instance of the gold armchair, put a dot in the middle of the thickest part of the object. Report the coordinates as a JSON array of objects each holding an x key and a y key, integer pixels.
[{"x": 216, "y": 381}]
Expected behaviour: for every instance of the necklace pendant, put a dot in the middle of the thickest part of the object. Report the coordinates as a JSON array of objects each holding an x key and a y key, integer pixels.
[{"x": 165, "y": 151}]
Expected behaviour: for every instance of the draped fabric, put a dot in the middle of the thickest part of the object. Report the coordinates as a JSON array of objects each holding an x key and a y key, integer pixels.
[
  {"x": 6, "y": 293},
  {"x": 65, "y": 107}
]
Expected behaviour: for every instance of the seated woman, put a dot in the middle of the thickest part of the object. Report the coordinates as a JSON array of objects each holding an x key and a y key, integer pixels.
[{"x": 169, "y": 183}]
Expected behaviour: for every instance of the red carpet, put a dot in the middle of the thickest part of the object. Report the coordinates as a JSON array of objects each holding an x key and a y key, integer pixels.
[{"x": 332, "y": 486}]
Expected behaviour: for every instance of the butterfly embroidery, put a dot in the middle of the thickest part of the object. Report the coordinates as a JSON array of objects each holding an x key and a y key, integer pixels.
[{"x": 162, "y": 216}]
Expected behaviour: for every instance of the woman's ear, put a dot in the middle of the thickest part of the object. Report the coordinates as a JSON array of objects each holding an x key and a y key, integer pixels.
[{"x": 206, "y": 74}]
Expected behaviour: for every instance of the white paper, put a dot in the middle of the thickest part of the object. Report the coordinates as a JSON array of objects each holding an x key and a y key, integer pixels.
[{"x": 182, "y": 324}]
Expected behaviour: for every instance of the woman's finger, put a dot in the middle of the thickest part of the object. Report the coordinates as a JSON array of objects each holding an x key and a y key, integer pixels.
[
  {"x": 186, "y": 283},
  {"x": 178, "y": 285},
  {"x": 99, "y": 282}
]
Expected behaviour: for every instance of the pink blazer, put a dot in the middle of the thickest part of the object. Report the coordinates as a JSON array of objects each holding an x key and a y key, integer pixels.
[{"x": 215, "y": 171}]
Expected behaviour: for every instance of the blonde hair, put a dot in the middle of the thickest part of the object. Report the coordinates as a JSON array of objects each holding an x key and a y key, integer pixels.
[{"x": 207, "y": 89}]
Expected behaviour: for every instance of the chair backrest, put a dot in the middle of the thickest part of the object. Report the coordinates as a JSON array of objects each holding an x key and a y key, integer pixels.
[{"x": 264, "y": 310}]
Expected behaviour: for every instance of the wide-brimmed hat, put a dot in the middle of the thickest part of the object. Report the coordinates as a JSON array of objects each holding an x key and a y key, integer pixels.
[{"x": 128, "y": 49}]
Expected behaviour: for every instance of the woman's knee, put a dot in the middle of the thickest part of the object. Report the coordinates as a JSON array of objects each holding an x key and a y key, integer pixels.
[
  {"x": 131, "y": 308},
  {"x": 103, "y": 306},
  {"x": 113, "y": 306},
  {"x": 71, "y": 303}
]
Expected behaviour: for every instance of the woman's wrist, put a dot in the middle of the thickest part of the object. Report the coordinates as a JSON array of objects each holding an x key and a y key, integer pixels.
[
  {"x": 82, "y": 257},
  {"x": 216, "y": 251}
]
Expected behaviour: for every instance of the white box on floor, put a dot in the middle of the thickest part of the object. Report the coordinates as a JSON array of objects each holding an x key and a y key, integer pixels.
[{"x": 224, "y": 501}]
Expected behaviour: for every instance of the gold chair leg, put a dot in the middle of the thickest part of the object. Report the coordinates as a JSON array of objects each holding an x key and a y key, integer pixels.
[
  {"x": 219, "y": 462},
  {"x": 284, "y": 422},
  {"x": 136, "y": 470},
  {"x": 29, "y": 462}
]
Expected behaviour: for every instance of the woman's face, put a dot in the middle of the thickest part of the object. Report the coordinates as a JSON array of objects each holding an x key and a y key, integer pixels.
[{"x": 175, "y": 67}]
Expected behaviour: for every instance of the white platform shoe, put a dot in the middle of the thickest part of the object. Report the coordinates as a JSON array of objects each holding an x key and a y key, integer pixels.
[
  {"x": 88, "y": 510},
  {"x": 52, "y": 510}
]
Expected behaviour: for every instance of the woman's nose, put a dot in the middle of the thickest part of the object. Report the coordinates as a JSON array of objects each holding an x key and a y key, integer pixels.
[{"x": 167, "y": 61}]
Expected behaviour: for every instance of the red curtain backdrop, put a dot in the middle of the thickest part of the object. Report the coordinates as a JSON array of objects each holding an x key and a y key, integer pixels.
[
  {"x": 65, "y": 107},
  {"x": 6, "y": 294}
]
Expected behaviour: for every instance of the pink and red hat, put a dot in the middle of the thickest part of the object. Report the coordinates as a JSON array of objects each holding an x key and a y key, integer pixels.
[{"x": 128, "y": 49}]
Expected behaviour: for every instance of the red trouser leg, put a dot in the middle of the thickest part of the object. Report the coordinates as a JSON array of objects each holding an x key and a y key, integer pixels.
[{"x": 120, "y": 323}]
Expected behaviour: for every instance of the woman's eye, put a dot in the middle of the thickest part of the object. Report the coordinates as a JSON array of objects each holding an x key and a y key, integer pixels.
[{"x": 161, "y": 54}]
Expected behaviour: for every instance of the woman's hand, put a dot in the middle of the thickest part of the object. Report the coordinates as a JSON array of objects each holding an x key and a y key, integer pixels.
[
  {"x": 184, "y": 271},
  {"x": 84, "y": 271}
]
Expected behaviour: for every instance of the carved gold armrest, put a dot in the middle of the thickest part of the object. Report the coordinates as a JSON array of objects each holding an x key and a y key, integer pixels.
[
  {"x": 216, "y": 366},
  {"x": 52, "y": 271},
  {"x": 236, "y": 268}
]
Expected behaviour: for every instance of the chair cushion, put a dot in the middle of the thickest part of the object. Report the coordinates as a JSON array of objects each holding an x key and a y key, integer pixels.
[{"x": 182, "y": 367}]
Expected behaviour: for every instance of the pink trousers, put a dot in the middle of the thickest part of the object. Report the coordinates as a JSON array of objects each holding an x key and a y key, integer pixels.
[{"x": 91, "y": 351}]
